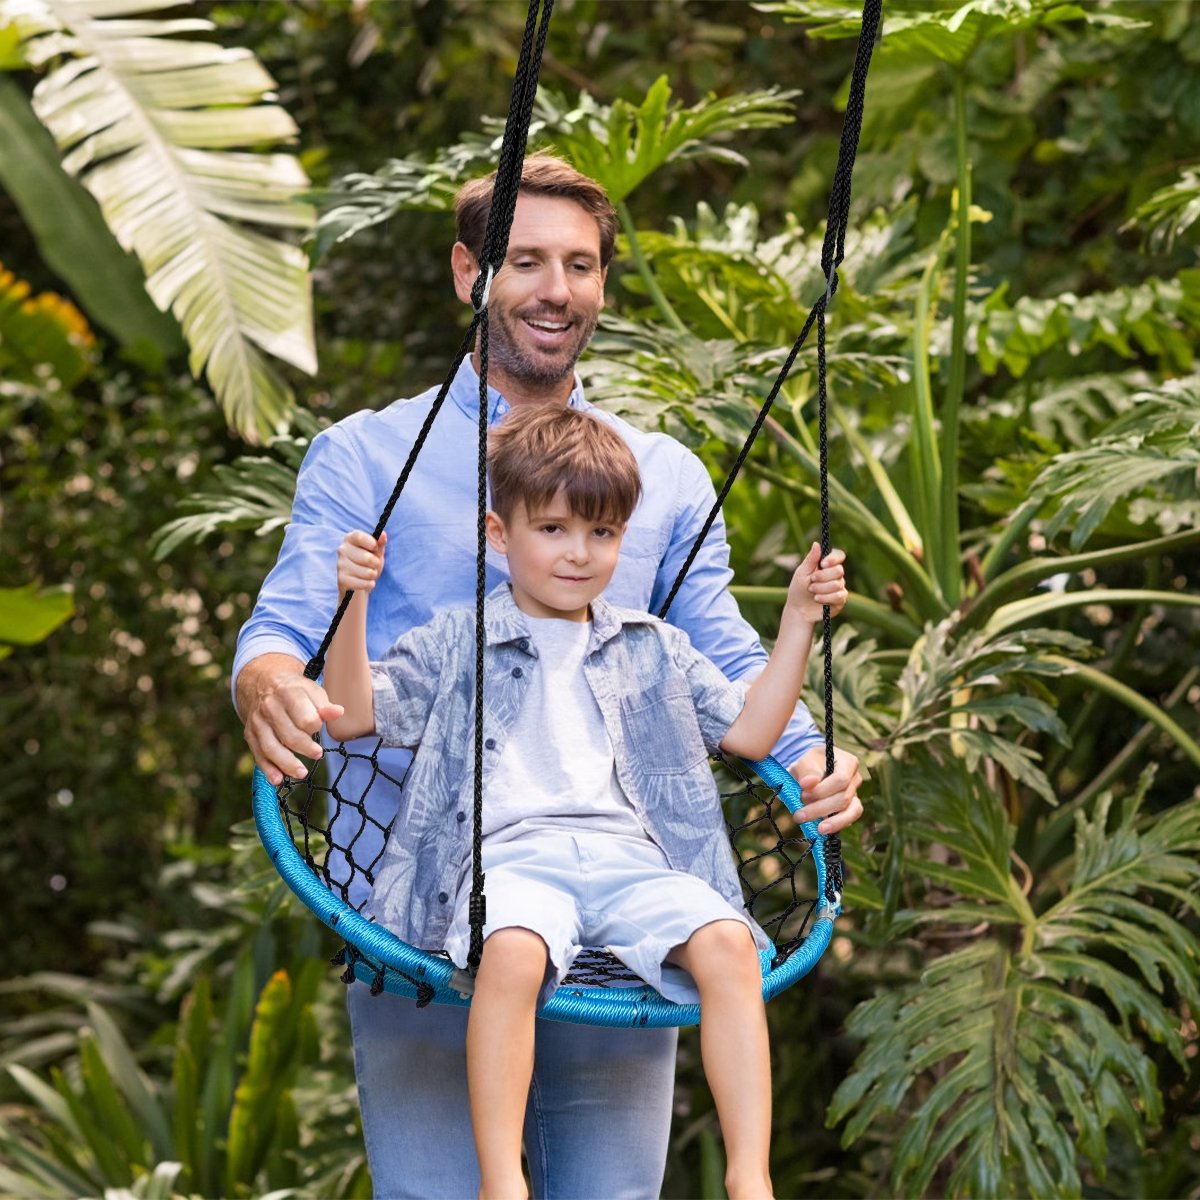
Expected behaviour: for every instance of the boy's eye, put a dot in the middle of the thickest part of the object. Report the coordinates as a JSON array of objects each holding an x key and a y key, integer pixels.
[{"x": 550, "y": 527}]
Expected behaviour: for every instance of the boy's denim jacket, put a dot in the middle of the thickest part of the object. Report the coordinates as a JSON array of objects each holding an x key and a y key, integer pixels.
[{"x": 665, "y": 706}]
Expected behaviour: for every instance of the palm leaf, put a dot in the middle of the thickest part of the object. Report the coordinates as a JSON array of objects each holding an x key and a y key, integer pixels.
[
  {"x": 1171, "y": 211},
  {"x": 146, "y": 120},
  {"x": 981, "y": 1056},
  {"x": 1149, "y": 452}
]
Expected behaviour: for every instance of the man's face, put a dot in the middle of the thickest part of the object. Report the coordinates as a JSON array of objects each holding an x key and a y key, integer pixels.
[{"x": 545, "y": 300}]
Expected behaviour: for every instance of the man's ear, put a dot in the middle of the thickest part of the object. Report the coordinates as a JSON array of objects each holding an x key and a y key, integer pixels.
[
  {"x": 603, "y": 281},
  {"x": 465, "y": 266},
  {"x": 497, "y": 536}
]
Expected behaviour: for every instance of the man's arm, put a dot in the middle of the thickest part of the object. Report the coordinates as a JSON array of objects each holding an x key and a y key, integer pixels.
[
  {"x": 280, "y": 709},
  {"x": 708, "y": 613}
]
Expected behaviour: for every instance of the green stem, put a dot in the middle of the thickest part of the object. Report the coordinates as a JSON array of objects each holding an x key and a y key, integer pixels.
[
  {"x": 1019, "y": 580},
  {"x": 1136, "y": 701},
  {"x": 1018, "y": 523},
  {"x": 858, "y": 608},
  {"x": 948, "y": 565},
  {"x": 639, "y": 259}
]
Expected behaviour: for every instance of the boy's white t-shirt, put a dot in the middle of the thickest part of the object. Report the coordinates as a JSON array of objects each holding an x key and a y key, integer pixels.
[{"x": 557, "y": 768}]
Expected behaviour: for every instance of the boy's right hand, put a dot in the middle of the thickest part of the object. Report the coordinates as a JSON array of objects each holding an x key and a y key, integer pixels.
[{"x": 360, "y": 561}]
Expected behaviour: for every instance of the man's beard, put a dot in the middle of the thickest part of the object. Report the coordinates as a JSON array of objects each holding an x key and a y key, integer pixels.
[{"x": 535, "y": 368}]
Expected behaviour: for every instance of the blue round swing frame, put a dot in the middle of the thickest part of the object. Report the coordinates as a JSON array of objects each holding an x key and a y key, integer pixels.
[{"x": 618, "y": 1006}]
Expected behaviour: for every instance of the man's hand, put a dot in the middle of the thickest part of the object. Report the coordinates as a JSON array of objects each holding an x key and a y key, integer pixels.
[
  {"x": 834, "y": 801},
  {"x": 282, "y": 711}
]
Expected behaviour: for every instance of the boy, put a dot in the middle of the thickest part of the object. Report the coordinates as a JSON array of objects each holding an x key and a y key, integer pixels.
[{"x": 601, "y": 820}]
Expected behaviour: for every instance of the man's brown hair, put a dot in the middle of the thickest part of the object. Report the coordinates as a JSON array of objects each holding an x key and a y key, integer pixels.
[
  {"x": 541, "y": 450},
  {"x": 542, "y": 175}
]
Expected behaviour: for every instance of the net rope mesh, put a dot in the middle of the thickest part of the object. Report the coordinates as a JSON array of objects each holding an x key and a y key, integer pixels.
[{"x": 772, "y": 853}]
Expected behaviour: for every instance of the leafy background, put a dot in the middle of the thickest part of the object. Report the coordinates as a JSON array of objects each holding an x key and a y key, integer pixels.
[{"x": 1010, "y": 1005}]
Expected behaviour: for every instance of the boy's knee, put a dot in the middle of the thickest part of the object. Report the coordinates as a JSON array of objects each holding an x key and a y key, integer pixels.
[
  {"x": 722, "y": 946},
  {"x": 514, "y": 957}
]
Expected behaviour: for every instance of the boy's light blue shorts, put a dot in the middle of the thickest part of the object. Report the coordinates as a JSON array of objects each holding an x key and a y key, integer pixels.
[{"x": 576, "y": 889}]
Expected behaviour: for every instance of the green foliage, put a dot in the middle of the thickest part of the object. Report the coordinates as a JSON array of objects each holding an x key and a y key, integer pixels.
[
  {"x": 147, "y": 121},
  {"x": 1005, "y": 1011},
  {"x": 995, "y": 1043},
  {"x": 255, "y": 494},
  {"x": 31, "y": 614},
  {"x": 43, "y": 338},
  {"x": 1171, "y": 211},
  {"x": 226, "y": 1121}
]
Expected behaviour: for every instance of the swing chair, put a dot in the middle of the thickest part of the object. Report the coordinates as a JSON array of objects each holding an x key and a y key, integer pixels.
[{"x": 791, "y": 878}]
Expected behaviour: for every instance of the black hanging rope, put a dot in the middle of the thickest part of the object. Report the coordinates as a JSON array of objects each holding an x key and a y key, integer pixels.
[
  {"x": 505, "y": 190},
  {"x": 832, "y": 252},
  {"x": 495, "y": 248}
]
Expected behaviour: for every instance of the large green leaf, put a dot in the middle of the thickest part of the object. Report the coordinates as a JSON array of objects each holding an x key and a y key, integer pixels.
[
  {"x": 982, "y": 1057},
  {"x": 31, "y": 614},
  {"x": 148, "y": 120},
  {"x": 948, "y": 31},
  {"x": 71, "y": 235},
  {"x": 622, "y": 144}
]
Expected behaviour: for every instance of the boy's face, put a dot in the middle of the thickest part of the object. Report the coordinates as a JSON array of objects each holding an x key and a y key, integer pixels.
[{"x": 559, "y": 562}]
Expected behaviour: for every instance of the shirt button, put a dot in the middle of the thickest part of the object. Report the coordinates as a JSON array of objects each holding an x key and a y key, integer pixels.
[
  {"x": 490, "y": 744},
  {"x": 460, "y": 817},
  {"x": 517, "y": 672},
  {"x": 443, "y": 897},
  {"x": 524, "y": 643}
]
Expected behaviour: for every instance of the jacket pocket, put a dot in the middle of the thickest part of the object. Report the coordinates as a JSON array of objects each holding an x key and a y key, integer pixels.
[{"x": 660, "y": 727}]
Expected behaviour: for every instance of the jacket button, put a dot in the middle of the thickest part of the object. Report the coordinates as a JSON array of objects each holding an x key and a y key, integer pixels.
[
  {"x": 517, "y": 672},
  {"x": 443, "y": 897},
  {"x": 460, "y": 817},
  {"x": 490, "y": 744}
]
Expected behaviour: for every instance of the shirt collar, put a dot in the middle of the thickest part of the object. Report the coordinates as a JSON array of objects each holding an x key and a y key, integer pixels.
[
  {"x": 464, "y": 391},
  {"x": 504, "y": 622}
]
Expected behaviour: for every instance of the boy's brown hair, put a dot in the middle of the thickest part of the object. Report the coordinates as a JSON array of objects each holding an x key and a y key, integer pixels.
[
  {"x": 542, "y": 175},
  {"x": 543, "y": 449}
]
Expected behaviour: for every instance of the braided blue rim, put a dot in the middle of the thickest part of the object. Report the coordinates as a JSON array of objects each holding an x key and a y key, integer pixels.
[{"x": 624, "y": 1007}]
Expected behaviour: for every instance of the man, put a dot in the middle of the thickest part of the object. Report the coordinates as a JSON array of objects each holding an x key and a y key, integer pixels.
[{"x": 600, "y": 1105}]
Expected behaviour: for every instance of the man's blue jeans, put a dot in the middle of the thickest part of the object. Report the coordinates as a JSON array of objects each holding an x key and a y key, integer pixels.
[{"x": 598, "y": 1121}]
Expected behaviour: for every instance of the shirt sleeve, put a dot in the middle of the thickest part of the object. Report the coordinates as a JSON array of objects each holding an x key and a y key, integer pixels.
[
  {"x": 405, "y": 683},
  {"x": 298, "y": 596},
  {"x": 705, "y": 609}
]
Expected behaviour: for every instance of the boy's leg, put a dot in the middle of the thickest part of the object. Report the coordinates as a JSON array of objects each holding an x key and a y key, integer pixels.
[
  {"x": 500, "y": 1054},
  {"x": 735, "y": 1048}
]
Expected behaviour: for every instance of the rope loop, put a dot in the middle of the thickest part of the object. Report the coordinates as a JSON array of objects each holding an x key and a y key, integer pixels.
[{"x": 481, "y": 290}]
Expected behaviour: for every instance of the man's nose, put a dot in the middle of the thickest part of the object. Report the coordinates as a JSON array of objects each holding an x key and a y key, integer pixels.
[{"x": 555, "y": 289}]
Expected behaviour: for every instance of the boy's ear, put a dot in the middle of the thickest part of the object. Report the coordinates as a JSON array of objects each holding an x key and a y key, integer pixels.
[
  {"x": 466, "y": 269},
  {"x": 496, "y": 535}
]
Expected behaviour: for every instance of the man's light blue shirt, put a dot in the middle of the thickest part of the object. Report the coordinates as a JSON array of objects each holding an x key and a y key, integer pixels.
[{"x": 347, "y": 477}]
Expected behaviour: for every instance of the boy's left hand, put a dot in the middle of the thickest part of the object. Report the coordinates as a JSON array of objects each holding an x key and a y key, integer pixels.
[{"x": 818, "y": 582}]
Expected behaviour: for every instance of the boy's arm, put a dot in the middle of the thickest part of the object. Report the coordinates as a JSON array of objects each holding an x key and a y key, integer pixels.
[
  {"x": 771, "y": 698},
  {"x": 347, "y": 668}
]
